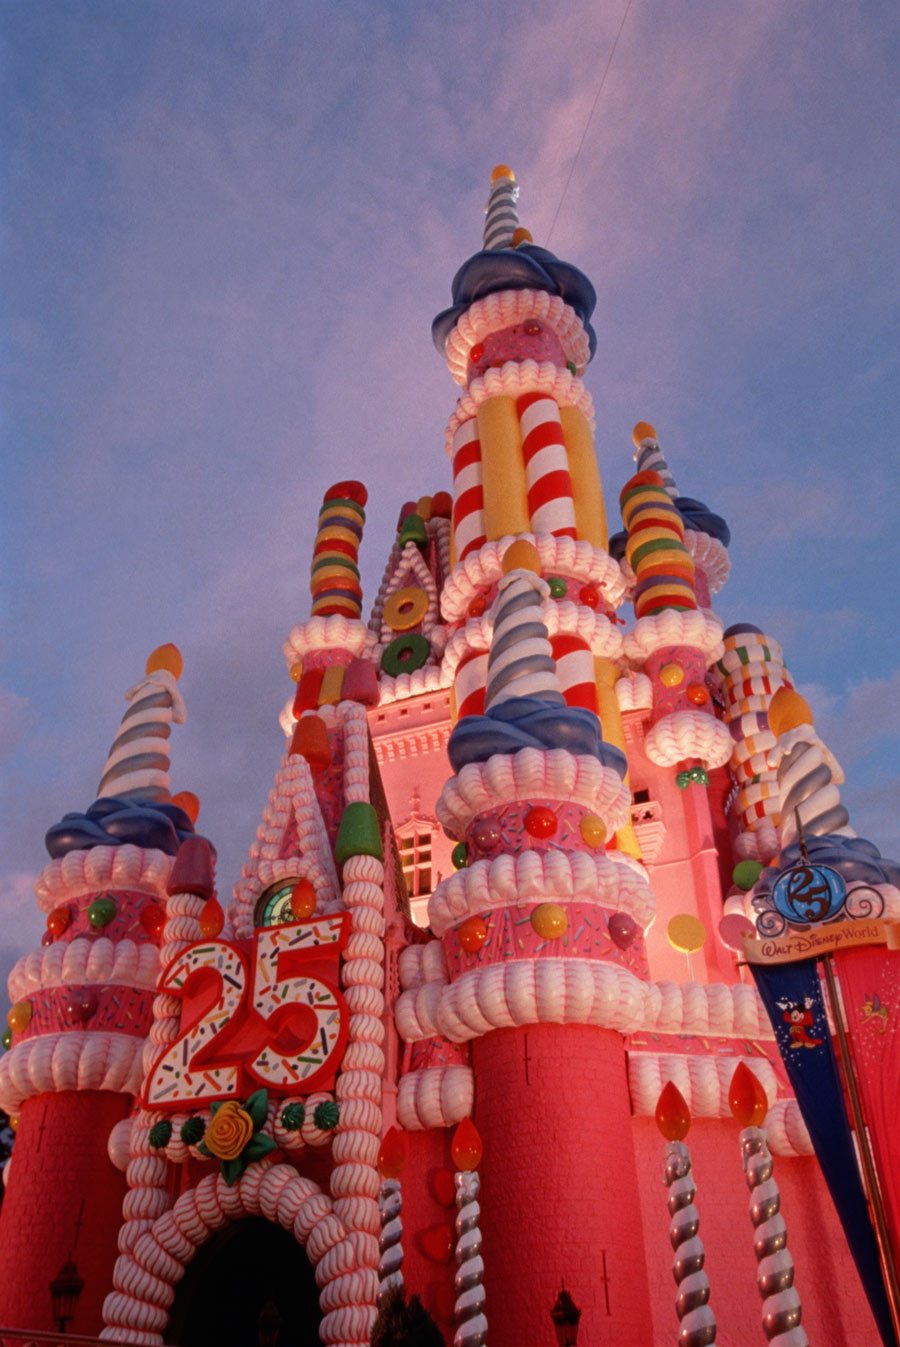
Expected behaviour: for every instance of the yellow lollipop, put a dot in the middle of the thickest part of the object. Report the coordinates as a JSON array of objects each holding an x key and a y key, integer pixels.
[
  {"x": 686, "y": 933},
  {"x": 166, "y": 657}
]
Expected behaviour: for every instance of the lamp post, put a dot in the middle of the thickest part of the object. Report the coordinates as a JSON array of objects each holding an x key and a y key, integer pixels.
[
  {"x": 565, "y": 1315},
  {"x": 65, "y": 1289},
  {"x": 268, "y": 1323}
]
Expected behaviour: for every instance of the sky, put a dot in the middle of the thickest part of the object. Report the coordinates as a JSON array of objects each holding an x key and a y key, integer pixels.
[{"x": 224, "y": 231}]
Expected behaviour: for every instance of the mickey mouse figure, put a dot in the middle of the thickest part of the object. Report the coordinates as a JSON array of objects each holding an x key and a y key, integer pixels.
[{"x": 798, "y": 1016}]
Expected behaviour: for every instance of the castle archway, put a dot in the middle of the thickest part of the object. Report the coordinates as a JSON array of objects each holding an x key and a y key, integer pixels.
[{"x": 236, "y": 1277}]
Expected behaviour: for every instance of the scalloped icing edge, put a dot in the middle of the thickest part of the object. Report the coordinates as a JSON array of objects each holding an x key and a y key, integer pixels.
[
  {"x": 334, "y": 632},
  {"x": 533, "y": 877},
  {"x": 688, "y": 734},
  {"x": 144, "y": 869},
  {"x": 554, "y": 774},
  {"x": 514, "y": 380},
  {"x": 576, "y": 558},
  {"x": 699, "y": 628},
  {"x": 504, "y": 308}
]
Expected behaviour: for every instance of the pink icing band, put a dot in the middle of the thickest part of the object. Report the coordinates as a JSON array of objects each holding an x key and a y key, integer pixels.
[{"x": 512, "y": 936}]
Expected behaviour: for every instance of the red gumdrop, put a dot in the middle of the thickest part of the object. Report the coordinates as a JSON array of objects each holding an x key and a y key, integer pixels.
[
  {"x": 590, "y": 596},
  {"x": 698, "y": 693},
  {"x": 441, "y": 505},
  {"x": 58, "y": 920},
  {"x": 477, "y": 606},
  {"x": 47, "y": 938},
  {"x": 153, "y": 918},
  {"x": 540, "y": 821},
  {"x": 354, "y": 491},
  {"x": 81, "y": 1006},
  {"x": 476, "y": 352}
]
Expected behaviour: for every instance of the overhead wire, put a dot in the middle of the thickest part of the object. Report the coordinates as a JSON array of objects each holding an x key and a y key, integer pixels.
[{"x": 589, "y": 120}]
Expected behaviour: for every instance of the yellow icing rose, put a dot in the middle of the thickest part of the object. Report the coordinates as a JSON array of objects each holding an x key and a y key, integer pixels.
[{"x": 228, "y": 1131}]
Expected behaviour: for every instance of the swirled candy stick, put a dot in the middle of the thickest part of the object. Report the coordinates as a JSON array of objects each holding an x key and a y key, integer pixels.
[
  {"x": 137, "y": 766},
  {"x": 501, "y": 216},
  {"x": 334, "y": 574},
  {"x": 521, "y": 662},
  {"x": 649, "y": 456},
  {"x": 696, "y": 1319},
  {"x": 808, "y": 774}
]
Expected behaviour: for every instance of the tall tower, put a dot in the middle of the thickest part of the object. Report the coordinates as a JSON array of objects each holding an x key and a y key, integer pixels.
[{"x": 82, "y": 1010}]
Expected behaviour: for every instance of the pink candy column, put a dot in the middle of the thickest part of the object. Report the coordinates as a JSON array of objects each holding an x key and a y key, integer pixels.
[
  {"x": 60, "y": 1159},
  {"x": 552, "y": 1107}
]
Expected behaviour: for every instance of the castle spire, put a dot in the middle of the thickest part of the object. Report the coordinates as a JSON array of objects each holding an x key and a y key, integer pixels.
[{"x": 501, "y": 215}]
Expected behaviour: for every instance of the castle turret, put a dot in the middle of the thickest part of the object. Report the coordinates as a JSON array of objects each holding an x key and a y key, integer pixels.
[{"x": 82, "y": 1010}]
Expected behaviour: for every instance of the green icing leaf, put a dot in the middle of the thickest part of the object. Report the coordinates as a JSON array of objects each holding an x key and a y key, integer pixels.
[
  {"x": 258, "y": 1147},
  {"x": 160, "y": 1134},
  {"x": 257, "y": 1106},
  {"x": 232, "y": 1170}
]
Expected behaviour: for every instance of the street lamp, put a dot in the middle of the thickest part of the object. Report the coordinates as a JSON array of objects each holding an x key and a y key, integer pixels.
[
  {"x": 268, "y": 1323},
  {"x": 65, "y": 1289},
  {"x": 565, "y": 1315}
]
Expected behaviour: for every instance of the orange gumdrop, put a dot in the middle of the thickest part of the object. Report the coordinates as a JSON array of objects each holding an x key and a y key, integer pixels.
[
  {"x": 746, "y": 1097},
  {"x": 466, "y": 1147},
  {"x": 211, "y": 918},
  {"x": 393, "y": 1154},
  {"x": 673, "y": 1117},
  {"x": 303, "y": 899},
  {"x": 187, "y": 800},
  {"x": 166, "y": 657}
]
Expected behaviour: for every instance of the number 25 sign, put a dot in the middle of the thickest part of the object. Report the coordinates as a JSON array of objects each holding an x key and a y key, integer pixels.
[{"x": 266, "y": 1012}]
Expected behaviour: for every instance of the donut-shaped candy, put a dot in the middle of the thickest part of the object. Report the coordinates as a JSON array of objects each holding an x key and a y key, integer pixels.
[
  {"x": 406, "y": 608},
  {"x": 405, "y": 654}
]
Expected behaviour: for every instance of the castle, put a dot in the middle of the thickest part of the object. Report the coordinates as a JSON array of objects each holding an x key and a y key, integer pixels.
[{"x": 527, "y": 817}]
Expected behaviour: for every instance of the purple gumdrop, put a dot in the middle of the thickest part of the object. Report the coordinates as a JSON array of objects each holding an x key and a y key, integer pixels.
[
  {"x": 486, "y": 834},
  {"x": 81, "y": 1006},
  {"x": 623, "y": 930}
]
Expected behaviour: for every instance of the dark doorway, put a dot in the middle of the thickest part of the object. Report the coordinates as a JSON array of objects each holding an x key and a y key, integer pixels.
[{"x": 231, "y": 1281}]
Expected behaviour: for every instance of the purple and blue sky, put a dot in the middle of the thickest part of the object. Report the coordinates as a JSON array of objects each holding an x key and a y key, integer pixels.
[{"x": 226, "y": 228}]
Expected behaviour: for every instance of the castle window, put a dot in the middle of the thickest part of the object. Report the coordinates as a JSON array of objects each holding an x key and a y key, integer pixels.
[
  {"x": 274, "y": 907},
  {"x": 415, "y": 857},
  {"x": 640, "y": 796}
]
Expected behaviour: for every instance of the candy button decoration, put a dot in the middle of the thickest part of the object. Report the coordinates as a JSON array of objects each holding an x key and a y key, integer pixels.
[
  {"x": 188, "y": 801},
  {"x": 733, "y": 928},
  {"x": 623, "y": 929},
  {"x": 671, "y": 675},
  {"x": 19, "y": 1016},
  {"x": 212, "y": 918},
  {"x": 58, "y": 920},
  {"x": 406, "y": 608},
  {"x": 460, "y": 856},
  {"x": 81, "y": 1006},
  {"x": 101, "y": 912},
  {"x": 593, "y": 830},
  {"x": 549, "y": 920},
  {"x": 405, "y": 654},
  {"x": 540, "y": 821},
  {"x": 558, "y": 587},
  {"x": 746, "y": 873},
  {"x": 303, "y": 900},
  {"x": 477, "y": 607},
  {"x": 686, "y": 933},
  {"x": 6, "y": 1039},
  {"x": 472, "y": 934},
  {"x": 486, "y": 834},
  {"x": 698, "y": 693},
  {"x": 589, "y": 596},
  {"x": 153, "y": 919}
]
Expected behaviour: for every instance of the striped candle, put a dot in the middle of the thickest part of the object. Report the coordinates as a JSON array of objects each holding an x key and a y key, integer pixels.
[
  {"x": 501, "y": 215},
  {"x": 469, "y": 531},
  {"x": 550, "y": 504},
  {"x": 521, "y": 662},
  {"x": 334, "y": 574},
  {"x": 137, "y": 766}
]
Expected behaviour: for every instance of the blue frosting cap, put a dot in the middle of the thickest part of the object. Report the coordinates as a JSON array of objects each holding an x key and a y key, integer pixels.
[
  {"x": 530, "y": 722},
  {"x": 855, "y": 859},
  {"x": 111, "y": 822},
  {"x": 527, "y": 267},
  {"x": 702, "y": 519}
]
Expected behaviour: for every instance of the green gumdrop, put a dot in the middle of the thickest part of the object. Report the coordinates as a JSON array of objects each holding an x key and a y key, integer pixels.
[
  {"x": 292, "y": 1117},
  {"x": 192, "y": 1131},
  {"x": 7, "y": 1038},
  {"x": 160, "y": 1134},
  {"x": 571, "y": 367},
  {"x": 326, "y": 1115},
  {"x": 459, "y": 855},
  {"x": 746, "y": 873},
  {"x": 413, "y": 530},
  {"x": 101, "y": 911},
  {"x": 359, "y": 833},
  {"x": 557, "y": 587}
]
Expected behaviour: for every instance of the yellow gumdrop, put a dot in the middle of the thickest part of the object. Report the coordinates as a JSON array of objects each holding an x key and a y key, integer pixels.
[
  {"x": 296, "y": 671},
  {"x": 787, "y": 710},
  {"x": 521, "y": 556},
  {"x": 671, "y": 675},
  {"x": 521, "y": 235},
  {"x": 593, "y": 830},
  {"x": 686, "y": 933},
  {"x": 19, "y": 1016},
  {"x": 423, "y": 508},
  {"x": 549, "y": 920},
  {"x": 643, "y": 431},
  {"x": 502, "y": 171},
  {"x": 166, "y": 657}
]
